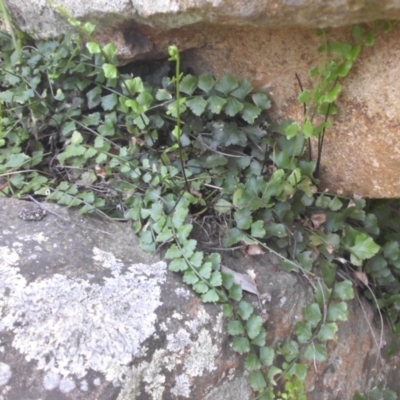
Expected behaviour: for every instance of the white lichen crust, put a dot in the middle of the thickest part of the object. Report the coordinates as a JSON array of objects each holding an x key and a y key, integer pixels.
[
  {"x": 70, "y": 325},
  {"x": 5, "y": 373},
  {"x": 193, "y": 353}
]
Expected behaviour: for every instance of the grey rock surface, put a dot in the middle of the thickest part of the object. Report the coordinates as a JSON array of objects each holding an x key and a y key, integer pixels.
[
  {"x": 356, "y": 360},
  {"x": 85, "y": 314},
  {"x": 164, "y": 15}
]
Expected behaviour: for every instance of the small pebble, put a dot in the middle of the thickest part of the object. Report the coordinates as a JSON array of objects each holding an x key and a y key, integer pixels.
[{"x": 32, "y": 213}]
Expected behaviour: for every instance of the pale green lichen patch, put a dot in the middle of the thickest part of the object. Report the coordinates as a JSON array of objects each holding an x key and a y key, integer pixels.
[
  {"x": 11, "y": 281},
  {"x": 202, "y": 355},
  {"x": 193, "y": 352},
  {"x": 182, "y": 386},
  {"x": 36, "y": 237},
  {"x": 70, "y": 325}
]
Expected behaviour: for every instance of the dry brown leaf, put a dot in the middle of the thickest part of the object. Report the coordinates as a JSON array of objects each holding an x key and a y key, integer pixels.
[
  {"x": 315, "y": 250},
  {"x": 342, "y": 260},
  {"x": 351, "y": 204},
  {"x": 330, "y": 249},
  {"x": 361, "y": 277},
  {"x": 251, "y": 274},
  {"x": 318, "y": 220},
  {"x": 100, "y": 171},
  {"x": 3, "y": 185},
  {"x": 271, "y": 169},
  {"x": 195, "y": 193},
  {"x": 254, "y": 250},
  {"x": 306, "y": 222},
  {"x": 138, "y": 141},
  {"x": 243, "y": 280}
]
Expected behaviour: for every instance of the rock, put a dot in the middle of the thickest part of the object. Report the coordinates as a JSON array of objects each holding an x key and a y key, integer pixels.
[
  {"x": 361, "y": 150},
  {"x": 85, "y": 314},
  {"x": 360, "y": 155},
  {"x": 161, "y": 15},
  {"x": 355, "y": 361}
]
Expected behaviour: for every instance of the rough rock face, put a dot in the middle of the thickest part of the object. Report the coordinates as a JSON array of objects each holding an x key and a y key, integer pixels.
[
  {"x": 86, "y": 315},
  {"x": 166, "y": 14},
  {"x": 361, "y": 150}
]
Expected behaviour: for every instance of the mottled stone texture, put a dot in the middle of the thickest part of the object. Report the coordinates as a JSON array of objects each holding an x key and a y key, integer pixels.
[
  {"x": 171, "y": 14},
  {"x": 86, "y": 315}
]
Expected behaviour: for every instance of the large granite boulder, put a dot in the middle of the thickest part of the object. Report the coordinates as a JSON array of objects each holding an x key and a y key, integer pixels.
[
  {"x": 85, "y": 314},
  {"x": 164, "y": 15},
  {"x": 361, "y": 151}
]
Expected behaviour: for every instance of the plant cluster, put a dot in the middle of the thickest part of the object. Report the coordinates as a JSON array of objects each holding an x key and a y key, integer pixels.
[
  {"x": 377, "y": 393},
  {"x": 337, "y": 60},
  {"x": 78, "y": 131}
]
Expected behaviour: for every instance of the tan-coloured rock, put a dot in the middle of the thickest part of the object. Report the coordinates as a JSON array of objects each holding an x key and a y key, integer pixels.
[
  {"x": 360, "y": 154},
  {"x": 361, "y": 151}
]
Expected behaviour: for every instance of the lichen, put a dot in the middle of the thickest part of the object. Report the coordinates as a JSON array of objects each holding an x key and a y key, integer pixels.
[
  {"x": 8, "y": 257},
  {"x": 192, "y": 352},
  {"x": 219, "y": 322},
  {"x": 10, "y": 278},
  {"x": 51, "y": 380},
  {"x": 66, "y": 385},
  {"x": 177, "y": 316},
  {"x": 5, "y": 373},
  {"x": 178, "y": 341},
  {"x": 131, "y": 388},
  {"x": 182, "y": 386},
  {"x": 37, "y": 237},
  {"x": 203, "y": 316},
  {"x": 181, "y": 292},
  {"x": 69, "y": 325},
  {"x": 202, "y": 355},
  {"x": 97, "y": 382},
  {"x": 154, "y": 377},
  {"x": 107, "y": 260},
  {"x": 193, "y": 325},
  {"x": 83, "y": 385}
]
